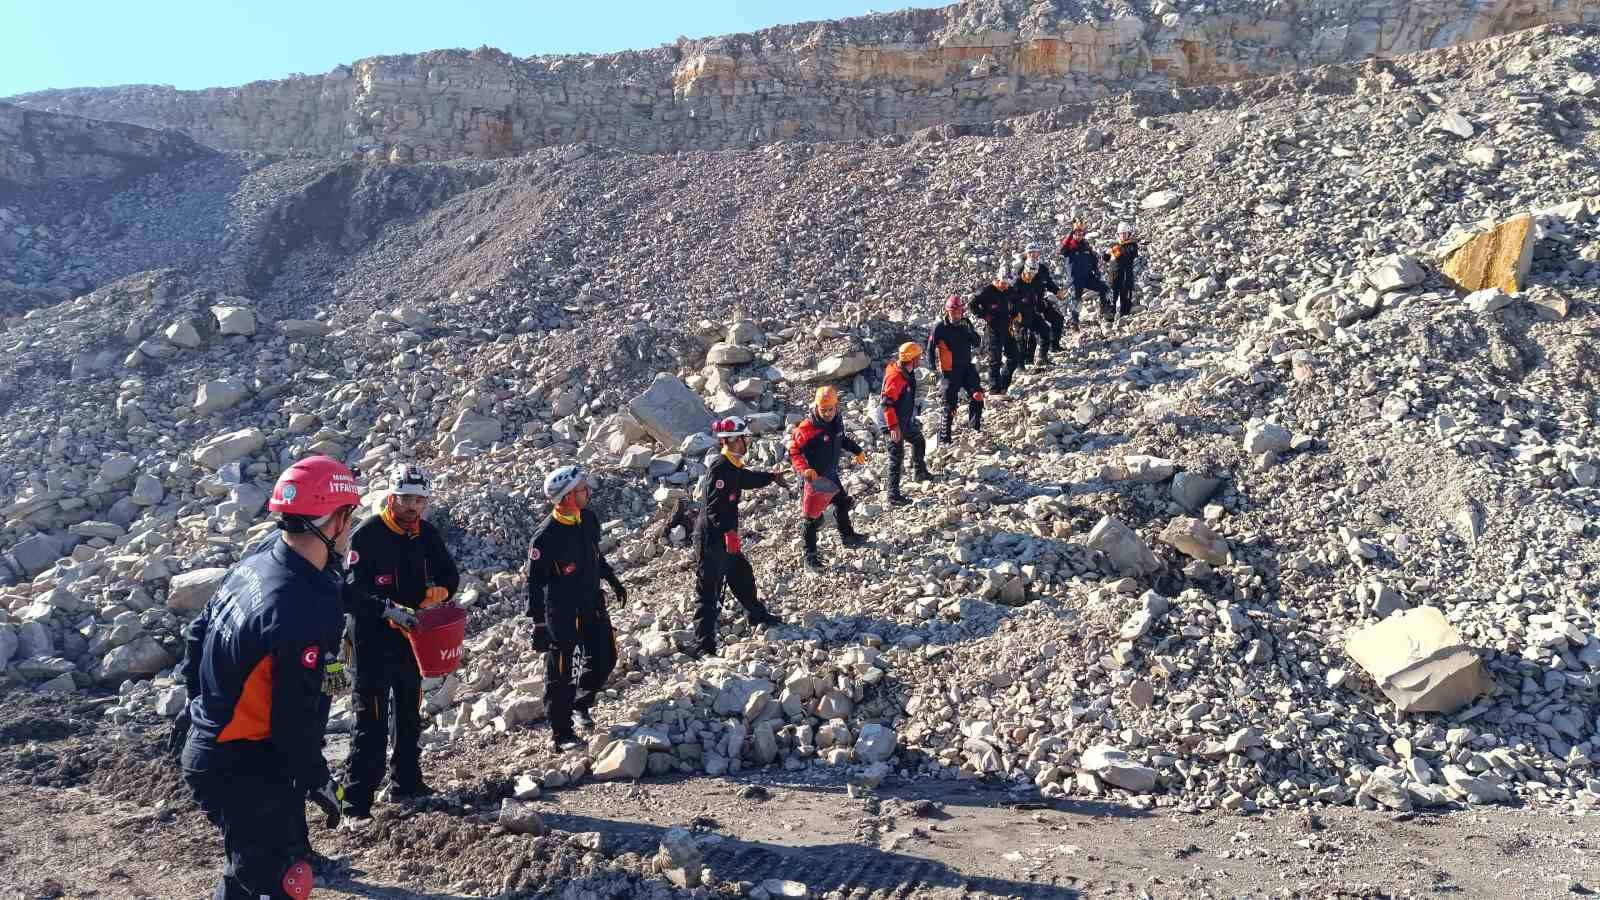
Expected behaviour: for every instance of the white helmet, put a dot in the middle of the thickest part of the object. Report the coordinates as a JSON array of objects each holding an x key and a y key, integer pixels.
[
  {"x": 729, "y": 428},
  {"x": 561, "y": 482},
  {"x": 1034, "y": 248},
  {"x": 1124, "y": 228},
  {"x": 410, "y": 480}
]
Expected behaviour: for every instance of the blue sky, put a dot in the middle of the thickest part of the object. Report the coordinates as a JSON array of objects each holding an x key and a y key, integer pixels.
[{"x": 195, "y": 44}]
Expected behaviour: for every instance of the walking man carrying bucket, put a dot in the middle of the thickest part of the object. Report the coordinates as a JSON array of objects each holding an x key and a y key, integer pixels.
[
  {"x": 565, "y": 568},
  {"x": 399, "y": 565},
  {"x": 814, "y": 450}
]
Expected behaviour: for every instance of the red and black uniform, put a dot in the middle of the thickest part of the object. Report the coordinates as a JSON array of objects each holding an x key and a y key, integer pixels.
[
  {"x": 565, "y": 567},
  {"x": 996, "y": 306},
  {"x": 1034, "y": 301},
  {"x": 720, "y": 550},
  {"x": 254, "y": 669},
  {"x": 951, "y": 346},
  {"x": 389, "y": 564},
  {"x": 1084, "y": 266},
  {"x": 1120, "y": 260},
  {"x": 816, "y": 444},
  {"x": 900, "y": 411}
]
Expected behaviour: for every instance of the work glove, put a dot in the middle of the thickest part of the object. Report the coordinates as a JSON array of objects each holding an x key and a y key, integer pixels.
[
  {"x": 179, "y": 735},
  {"x": 894, "y": 435},
  {"x": 330, "y": 799},
  {"x": 620, "y": 591},
  {"x": 733, "y": 542},
  {"x": 781, "y": 478},
  {"x": 809, "y": 474},
  {"x": 861, "y": 459},
  {"x": 434, "y": 596},
  {"x": 399, "y": 617},
  {"x": 541, "y": 638}
]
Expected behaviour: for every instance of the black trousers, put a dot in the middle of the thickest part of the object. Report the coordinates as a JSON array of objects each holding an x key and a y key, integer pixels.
[
  {"x": 909, "y": 434},
  {"x": 262, "y": 817},
  {"x": 386, "y": 672},
  {"x": 1092, "y": 283},
  {"x": 1122, "y": 290},
  {"x": 1037, "y": 348},
  {"x": 593, "y": 649},
  {"x": 1052, "y": 318},
  {"x": 714, "y": 568},
  {"x": 1004, "y": 356},
  {"x": 956, "y": 381}
]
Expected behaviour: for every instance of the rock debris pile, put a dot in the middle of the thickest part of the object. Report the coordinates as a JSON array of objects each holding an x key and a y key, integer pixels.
[{"x": 1188, "y": 564}]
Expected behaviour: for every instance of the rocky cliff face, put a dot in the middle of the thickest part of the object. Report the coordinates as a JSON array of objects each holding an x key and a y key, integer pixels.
[
  {"x": 849, "y": 79},
  {"x": 38, "y": 149}
]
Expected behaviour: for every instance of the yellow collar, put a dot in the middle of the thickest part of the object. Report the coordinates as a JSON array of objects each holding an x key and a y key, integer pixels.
[
  {"x": 396, "y": 527},
  {"x": 565, "y": 518},
  {"x": 731, "y": 458}
]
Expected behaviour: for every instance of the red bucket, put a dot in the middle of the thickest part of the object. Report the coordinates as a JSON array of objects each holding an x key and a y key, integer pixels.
[
  {"x": 816, "y": 496},
  {"x": 436, "y": 639}
]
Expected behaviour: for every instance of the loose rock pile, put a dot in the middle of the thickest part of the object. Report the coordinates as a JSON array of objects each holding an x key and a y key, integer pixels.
[{"x": 1149, "y": 578}]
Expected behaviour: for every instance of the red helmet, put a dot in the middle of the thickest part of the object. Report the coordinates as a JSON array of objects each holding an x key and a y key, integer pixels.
[
  {"x": 729, "y": 428},
  {"x": 314, "y": 487},
  {"x": 954, "y": 303}
]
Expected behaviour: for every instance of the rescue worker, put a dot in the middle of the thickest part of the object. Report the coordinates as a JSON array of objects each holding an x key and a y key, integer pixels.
[
  {"x": 814, "y": 449},
  {"x": 398, "y": 565},
  {"x": 900, "y": 417},
  {"x": 1032, "y": 300},
  {"x": 720, "y": 558},
  {"x": 571, "y": 624},
  {"x": 950, "y": 347},
  {"x": 1052, "y": 316},
  {"x": 995, "y": 305},
  {"x": 1084, "y": 267},
  {"x": 1121, "y": 258},
  {"x": 261, "y": 666}
]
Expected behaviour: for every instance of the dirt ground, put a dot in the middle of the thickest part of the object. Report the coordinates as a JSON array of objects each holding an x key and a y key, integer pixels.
[{"x": 93, "y": 810}]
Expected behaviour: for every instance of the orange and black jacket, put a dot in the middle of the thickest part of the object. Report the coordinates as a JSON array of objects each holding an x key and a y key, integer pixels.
[
  {"x": 565, "y": 567},
  {"x": 1121, "y": 258},
  {"x": 816, "y": 442},
  {"x": 899, "y": 398},
  {"x": 994, "y": 305},
  {"x": 390, "y": 564},
  {"x": 256, "y": 657},
  {"x": 726, "y": 483},
  {"x": 951, "y": 344}
]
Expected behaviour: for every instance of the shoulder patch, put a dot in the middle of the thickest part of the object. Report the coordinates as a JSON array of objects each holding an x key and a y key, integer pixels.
[
  {"x": 720, "y": 485},
  {"x": 533, "y": 553},
  {"x": 353, "y": 558},
  {"x": 310, "y": 656}
]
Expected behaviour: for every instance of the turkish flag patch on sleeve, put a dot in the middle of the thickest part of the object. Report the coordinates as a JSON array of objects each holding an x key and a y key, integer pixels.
[{"x": 310, "y": 656}]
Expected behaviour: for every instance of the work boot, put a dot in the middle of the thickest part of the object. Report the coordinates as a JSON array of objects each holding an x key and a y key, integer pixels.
[
  {"x": 813, "y": 558},
  {"x": 583, "y": 709},
  {"x": 766, "y": 620},
  {"x": 411, "y": 791},
  {"x": 847, "y": 532},
  {"x": 897, "y": 499},
  {"x": 564, "y": 741},
  {"x": 923, "y": 475}
]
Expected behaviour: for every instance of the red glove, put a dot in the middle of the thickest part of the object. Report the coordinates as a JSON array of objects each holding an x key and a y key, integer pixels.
[{"x": 733, "y": 542}]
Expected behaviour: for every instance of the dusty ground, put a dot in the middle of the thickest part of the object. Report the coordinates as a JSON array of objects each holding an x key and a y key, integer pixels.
[{"x": 94, "y": 811}]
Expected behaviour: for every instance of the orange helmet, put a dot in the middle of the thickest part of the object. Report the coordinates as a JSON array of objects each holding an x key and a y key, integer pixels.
[
  {"x": 827, "y": 397},
  {"x": 909, "y": 352}
]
